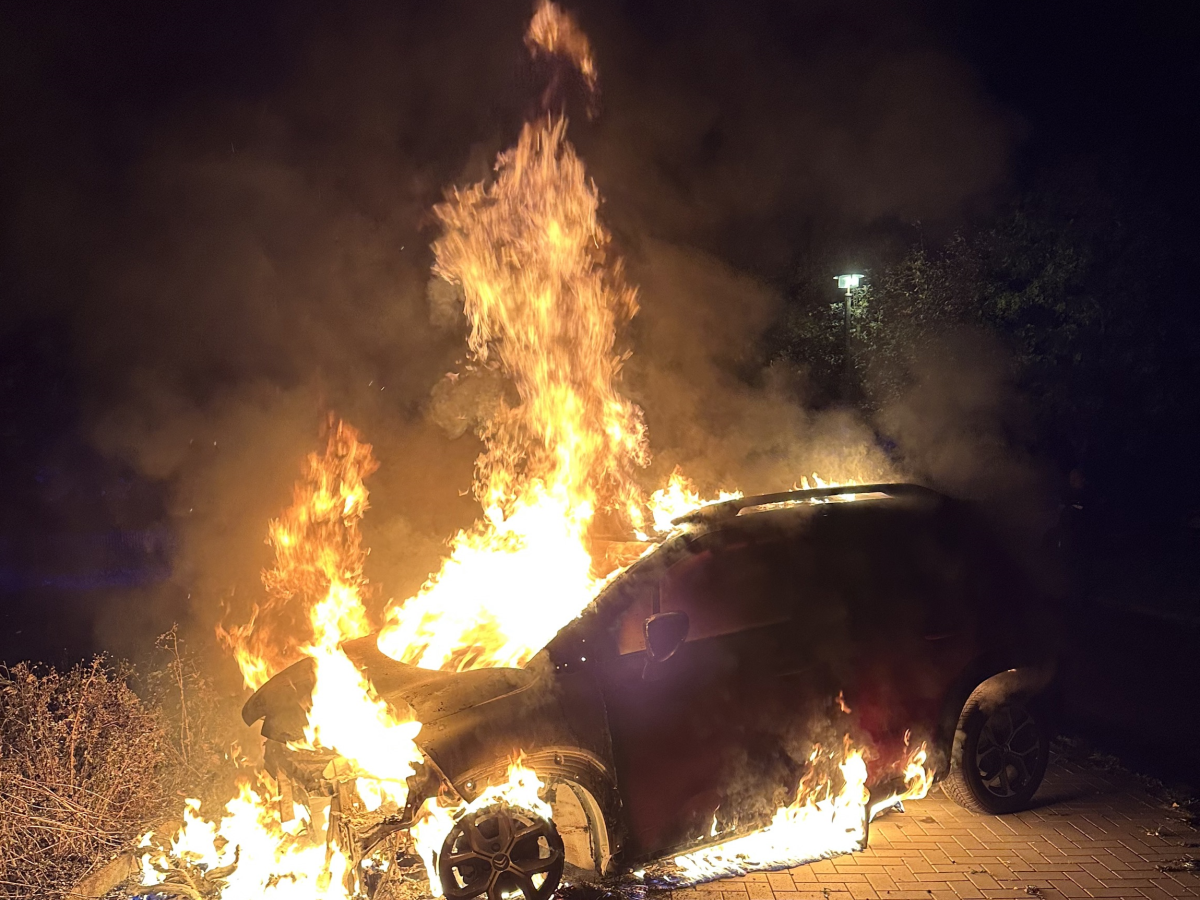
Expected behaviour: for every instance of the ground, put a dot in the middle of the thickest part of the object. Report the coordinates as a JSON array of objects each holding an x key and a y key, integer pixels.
[{"x": 1094, "y": 832}]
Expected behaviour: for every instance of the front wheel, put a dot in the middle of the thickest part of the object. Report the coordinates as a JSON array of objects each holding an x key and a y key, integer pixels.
[
  {"x": 498, "y": 851},
  {"x": 1000, "y": 754}
]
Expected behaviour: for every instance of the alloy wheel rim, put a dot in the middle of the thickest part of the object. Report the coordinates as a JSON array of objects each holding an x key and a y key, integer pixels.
[
  {"x": 500, "y": 852},
  {"x": 1007, "y": 752}
]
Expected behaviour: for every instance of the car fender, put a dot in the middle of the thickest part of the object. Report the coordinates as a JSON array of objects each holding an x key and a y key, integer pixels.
[{"x": 585, "y": 774}]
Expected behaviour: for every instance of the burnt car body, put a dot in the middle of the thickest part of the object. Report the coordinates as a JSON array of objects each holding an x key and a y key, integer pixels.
[{"x": 761, "y": 614}]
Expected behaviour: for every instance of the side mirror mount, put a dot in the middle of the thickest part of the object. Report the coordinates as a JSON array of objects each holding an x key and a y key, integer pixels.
[{"x": 665, "y": 633}]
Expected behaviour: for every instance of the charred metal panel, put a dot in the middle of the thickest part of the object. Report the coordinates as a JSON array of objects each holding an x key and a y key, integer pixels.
[
  {"x": 468, "y": 719},
  {"x": 283, "y": 702},
  {"x": 433, "y": 695},
  {"x": 550, "y": 712}
]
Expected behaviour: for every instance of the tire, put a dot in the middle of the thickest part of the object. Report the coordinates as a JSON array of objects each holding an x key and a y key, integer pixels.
[{"x": 999, "y": 756}]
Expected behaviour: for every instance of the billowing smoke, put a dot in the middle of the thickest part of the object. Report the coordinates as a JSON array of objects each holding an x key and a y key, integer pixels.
[
  {"x": 260, "y": 255},
  {"x": 960, "y": 424},
  {"x": 711, "y": 408}
]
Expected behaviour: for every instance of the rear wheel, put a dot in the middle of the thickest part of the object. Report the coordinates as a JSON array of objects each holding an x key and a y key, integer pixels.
[
  {"x": 497, "y": 851},
  {"x": 1000, "y": 753}
]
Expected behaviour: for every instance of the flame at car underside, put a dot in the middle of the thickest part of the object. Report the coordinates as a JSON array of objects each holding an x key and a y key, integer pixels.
[
  {"x": 823, "y": 820},
  {"x": 545, "y": 299}
]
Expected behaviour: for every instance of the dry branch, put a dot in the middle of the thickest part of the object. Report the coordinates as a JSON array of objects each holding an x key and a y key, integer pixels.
[{"x": 83, "y": 769}]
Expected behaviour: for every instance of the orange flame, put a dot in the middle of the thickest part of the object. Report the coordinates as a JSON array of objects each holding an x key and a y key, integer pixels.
[
  {"x": 263, "y": 858},
  {"x": 820, "y": 822},
  {"x": 553, "y": 31},
  {"x": 678, "y": 497},
  {"x": 318, "y": 560},
  {"x": 544, "y": 299}
]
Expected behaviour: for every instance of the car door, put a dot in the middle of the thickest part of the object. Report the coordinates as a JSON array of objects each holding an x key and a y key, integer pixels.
[
  {"x": 904, "y": 587},
  {"x": 695, "y": 734}
]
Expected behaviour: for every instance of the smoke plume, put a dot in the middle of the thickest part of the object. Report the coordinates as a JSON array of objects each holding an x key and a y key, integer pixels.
[{"x": 247, "y": 246}]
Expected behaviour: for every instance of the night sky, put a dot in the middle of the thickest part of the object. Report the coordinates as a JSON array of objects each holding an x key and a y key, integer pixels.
[{"x": 214, "y": 223}]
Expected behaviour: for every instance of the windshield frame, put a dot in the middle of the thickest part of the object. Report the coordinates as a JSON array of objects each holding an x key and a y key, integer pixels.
[{"x": 592, "y": 629}]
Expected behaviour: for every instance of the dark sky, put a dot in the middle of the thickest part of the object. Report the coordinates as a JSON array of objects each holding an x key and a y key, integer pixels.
[
  {"x": 214, "y": 217},
  {"x": 89, "y": 89},
  {"x": 1091, "y": 78},
  {"x": 90, "y": 93}
]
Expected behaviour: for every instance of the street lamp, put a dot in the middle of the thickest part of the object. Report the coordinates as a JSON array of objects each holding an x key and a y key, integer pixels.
[{"x": 847, "y": 283}]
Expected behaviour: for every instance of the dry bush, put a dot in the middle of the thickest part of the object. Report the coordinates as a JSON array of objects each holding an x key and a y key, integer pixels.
[
  {"x": 204, "y": 730},
  {"x": 85, "y": 766}
]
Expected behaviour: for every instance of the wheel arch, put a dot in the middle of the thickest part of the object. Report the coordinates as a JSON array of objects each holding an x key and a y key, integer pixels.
[{"x": 582, "y": 772}]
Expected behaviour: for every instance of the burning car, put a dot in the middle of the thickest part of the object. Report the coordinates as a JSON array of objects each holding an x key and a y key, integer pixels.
[{"x": 748, "y": 649}]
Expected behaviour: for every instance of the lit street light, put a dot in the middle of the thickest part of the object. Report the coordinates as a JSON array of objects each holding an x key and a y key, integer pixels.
[{"x": 847, "y": 283}]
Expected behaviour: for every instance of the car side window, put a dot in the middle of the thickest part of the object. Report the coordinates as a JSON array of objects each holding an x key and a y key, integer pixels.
[
  {"x": 630, "y": 631},
  {"x": 896, "y": 571},
  {"x": 730, "y": 588}
]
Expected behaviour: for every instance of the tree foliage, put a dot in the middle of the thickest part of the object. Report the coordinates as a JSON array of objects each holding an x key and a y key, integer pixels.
[{"x": 1076, "y": 279}]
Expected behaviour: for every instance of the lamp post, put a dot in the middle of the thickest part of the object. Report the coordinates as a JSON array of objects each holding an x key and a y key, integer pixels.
[{"x": 847, "y": 283}]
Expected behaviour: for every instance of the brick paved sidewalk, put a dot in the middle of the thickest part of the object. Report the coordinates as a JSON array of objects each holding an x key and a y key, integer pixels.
[{"x": 1092, "y": 834}]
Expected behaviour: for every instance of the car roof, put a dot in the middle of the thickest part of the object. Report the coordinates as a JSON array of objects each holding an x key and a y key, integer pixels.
[
  {"x": 758, "y": 515},
  {"x": 770, "y": 511},
  {"x": 725, "y": 511}
]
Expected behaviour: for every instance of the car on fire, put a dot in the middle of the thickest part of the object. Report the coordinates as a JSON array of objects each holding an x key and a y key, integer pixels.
[{"x": 686, "y": 701}]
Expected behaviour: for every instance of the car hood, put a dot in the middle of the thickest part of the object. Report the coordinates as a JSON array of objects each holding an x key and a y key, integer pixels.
[{"x": 282, "y": 703}]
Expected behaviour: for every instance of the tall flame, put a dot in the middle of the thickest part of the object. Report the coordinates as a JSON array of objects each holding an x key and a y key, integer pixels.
[
  {"x": 319, "y": 560},
  {"x": 314, "y": 602},
  {"x": 544, "y": 298}
]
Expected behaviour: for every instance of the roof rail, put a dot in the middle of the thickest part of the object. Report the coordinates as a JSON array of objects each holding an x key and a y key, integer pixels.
[{"x": 728, "y": 509}]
